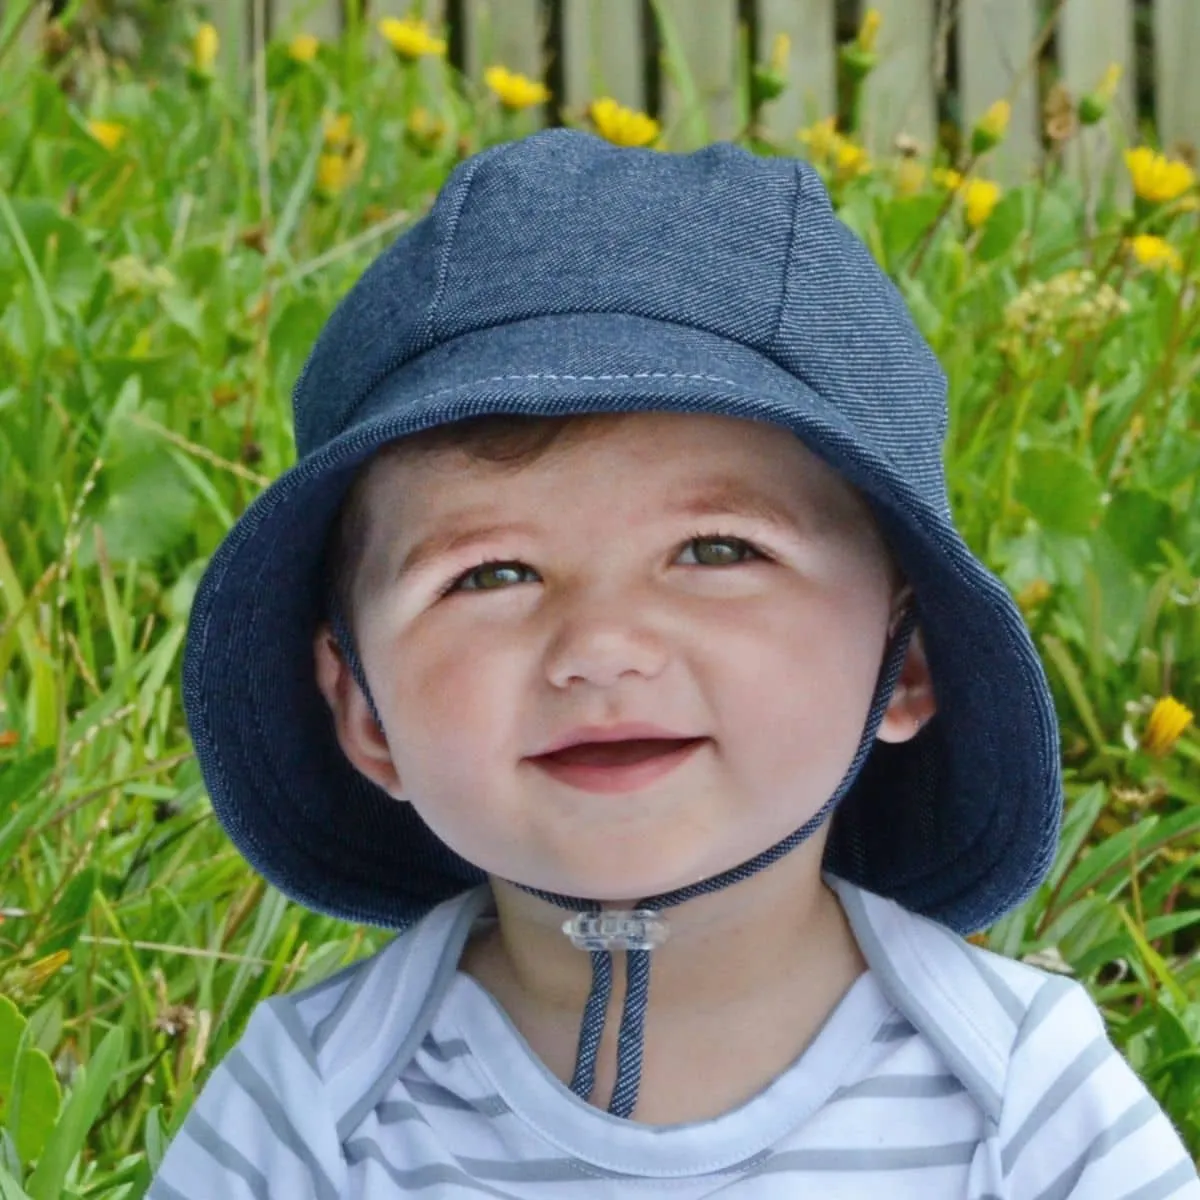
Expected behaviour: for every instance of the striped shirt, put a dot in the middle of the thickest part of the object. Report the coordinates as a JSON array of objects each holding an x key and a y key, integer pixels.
[{"x": 944, "y": 1071}]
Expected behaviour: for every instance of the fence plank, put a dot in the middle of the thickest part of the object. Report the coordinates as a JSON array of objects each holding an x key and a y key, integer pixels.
[
  {"x": 812, "y": 64},
  {"x": 232, "y": 19},
  {"x": 1091, "y": 35},
  {"x": 508, "y": 32},
  {"x": 603, "y": 52},
  {"x": 900, "y": 91},
  {"x": 322, "y": 18},
  {"x": 1177, "y": 49},
  {"x": 33, "y": 15},
  {"x": 707, "y": 35},
  {"x": 995, "y": 41},
  {"x": 430, "y": 10}
]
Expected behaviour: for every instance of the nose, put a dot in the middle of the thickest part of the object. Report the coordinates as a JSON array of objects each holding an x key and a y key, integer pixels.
[{"x": 603, "y": 640}]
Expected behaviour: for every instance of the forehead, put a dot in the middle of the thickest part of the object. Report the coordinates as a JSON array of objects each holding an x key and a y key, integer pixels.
[{"x": 638, "y": 460}]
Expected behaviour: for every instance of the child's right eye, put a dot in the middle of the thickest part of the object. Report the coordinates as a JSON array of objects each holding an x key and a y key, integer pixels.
[{"x": 488, "y": 577}]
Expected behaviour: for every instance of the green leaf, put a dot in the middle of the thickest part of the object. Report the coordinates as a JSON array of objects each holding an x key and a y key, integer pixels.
[
  {"x": 1078, "y": 821},
  {"x": 1055, "y": 229},
  {"x": 150, "y": 511},
  {"x": 292, "y": 336},
  {"x": 29, "y": 1091},
  {"x": 65, "y": 260},
  {"x": 66, "y": 922},
  {"x": 1153, "y": 961},
  {"x": 1099, "y": 862},
  {"x": 1003, "y": 227},
  {"x": 18, "y": 785},
  {"x": 150, "y": 505},
  {"x": 10, "y": 1189},
  {"x": 1106, "y": 864},
  {"x": 154, "y": 1138},
  {"x": 82, "y": 1108},
  {"x": 1082, "y": 926},
  {"x": 1060, "y": 492},
  {"x": 1073, "y": 681},
  {"x": 1156, "y": 927},
  {"x": 1135, "y": 520},
  {"x": 903, "y": 221}
]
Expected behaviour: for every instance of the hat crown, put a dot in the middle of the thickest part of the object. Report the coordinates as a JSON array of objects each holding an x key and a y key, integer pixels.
[{"x": 721, "y": 240}]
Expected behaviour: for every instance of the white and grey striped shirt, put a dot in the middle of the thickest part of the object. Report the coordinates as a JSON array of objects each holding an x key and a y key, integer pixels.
[{"x": 945, "y": 1071}]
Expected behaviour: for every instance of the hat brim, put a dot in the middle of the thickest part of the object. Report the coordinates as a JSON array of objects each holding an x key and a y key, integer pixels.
[{"x": 959, "y": 824}]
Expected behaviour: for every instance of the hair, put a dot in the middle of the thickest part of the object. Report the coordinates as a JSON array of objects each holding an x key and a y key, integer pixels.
[{"x": 506, "y": 440}]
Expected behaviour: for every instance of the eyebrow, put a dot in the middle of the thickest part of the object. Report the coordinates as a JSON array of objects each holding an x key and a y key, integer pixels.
[{"x": 719, "y": 498}]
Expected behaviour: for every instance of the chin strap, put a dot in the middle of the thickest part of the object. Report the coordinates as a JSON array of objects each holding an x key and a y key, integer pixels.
[{"x": 639, "y": 930}]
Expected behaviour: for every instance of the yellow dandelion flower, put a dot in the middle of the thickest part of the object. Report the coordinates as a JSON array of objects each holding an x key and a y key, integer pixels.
[
  {"x": 850, "y": 159},
  {"x": 1168, "y": 719},
  {"x": 622, "y": 126},
  {"x": 868, "y": 31},
  {"x": 410, "y": 37},
  {"x": 909, "y": 176},
  {"x": 821, "y": 138},
  {"x": 109, "y": 134},
  {"x": 990, "y": 129},
  {"x": 515, "y": 91},
  {"x": 338, "y": 130},
  {"x": 1156, "y": 178},
  {"x": 980, "y": 196},
  {"x": 423, "y": 131},
  {"x": 303, "y": 47},
  {"x": 205, "y": 47},
  {"x": 1155, "y": 252},
  {"x": 337, "y": 171},
  {"x": 333, "y": 174},
  {"x": 948, "y": 178},
  {"x": 781, "y": 52},
  {"x": 1032, "y": 595}
]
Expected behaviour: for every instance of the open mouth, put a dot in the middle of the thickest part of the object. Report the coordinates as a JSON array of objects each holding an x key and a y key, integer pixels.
[{"x": 617, "y": 766}]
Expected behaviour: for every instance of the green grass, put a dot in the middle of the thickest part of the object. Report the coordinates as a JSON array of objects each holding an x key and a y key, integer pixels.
[{"x": 156, "y": 302}]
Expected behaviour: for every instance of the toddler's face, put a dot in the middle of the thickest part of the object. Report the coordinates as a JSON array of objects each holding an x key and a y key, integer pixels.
[{"x": 703, "y": 575}]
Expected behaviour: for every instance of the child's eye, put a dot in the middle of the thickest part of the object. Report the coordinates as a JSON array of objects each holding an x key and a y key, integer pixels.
[
  {"x": 729, "y": 550},
  {"x": 708, "y": 550},
  {"x": 489, "y": 577}
]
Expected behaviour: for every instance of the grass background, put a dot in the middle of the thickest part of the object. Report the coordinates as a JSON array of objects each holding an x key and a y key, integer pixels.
[{"x": 157, "y": 298}]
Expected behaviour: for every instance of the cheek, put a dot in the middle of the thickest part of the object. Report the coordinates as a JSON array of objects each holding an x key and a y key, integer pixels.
[
  {"x": 453, "y": 699},
  {"x": 794, "y": 681}
]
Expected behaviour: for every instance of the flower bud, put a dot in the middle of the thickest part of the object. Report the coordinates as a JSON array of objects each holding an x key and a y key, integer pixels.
[{"x": 990, "y": 129}]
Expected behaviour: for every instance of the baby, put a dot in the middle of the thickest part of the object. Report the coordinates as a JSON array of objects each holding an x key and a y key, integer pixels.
[{"x": 612, "y": 640}]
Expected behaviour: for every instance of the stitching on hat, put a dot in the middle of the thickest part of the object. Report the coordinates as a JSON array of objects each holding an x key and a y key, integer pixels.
[
  {"x": 797, "y": 201},
  {"x": 577, "y": 379},
  {"x": 444, "y": 265}
]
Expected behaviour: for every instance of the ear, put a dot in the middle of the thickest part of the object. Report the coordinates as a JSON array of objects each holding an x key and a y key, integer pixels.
[
  {"x": 362, "y": 741},
  {"x": 913, "y": 701}
]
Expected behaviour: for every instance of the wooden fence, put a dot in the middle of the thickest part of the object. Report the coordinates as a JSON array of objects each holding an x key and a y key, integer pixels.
[{"x": 583, "y": 48}]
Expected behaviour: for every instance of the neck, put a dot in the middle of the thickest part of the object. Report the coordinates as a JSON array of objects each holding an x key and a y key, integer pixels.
[{"x": 771, "y": 955}]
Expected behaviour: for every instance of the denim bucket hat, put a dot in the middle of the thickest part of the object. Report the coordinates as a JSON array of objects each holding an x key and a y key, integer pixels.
[{"x": 561, "y": 275}]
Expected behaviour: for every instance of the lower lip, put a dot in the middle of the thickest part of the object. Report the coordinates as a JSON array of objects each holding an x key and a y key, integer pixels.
[{"x": 628, "y": 777}]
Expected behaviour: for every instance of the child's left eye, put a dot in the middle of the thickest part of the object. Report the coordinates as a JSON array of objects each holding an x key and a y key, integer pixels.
[{"x": 735, "y": 549}]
